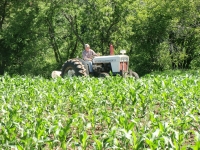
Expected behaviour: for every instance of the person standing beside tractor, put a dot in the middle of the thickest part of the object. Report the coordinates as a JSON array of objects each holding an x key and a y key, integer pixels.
[{"x": 87, "y": 55}]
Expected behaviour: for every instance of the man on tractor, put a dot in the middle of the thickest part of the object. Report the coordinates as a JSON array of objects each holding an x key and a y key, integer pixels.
[
  {"x": 103, "y": 66},
  {"x": 87, "y": 55}
]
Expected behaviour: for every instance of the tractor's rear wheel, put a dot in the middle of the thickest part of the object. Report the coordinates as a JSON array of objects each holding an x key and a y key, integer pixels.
[
  {"x": 73, "y": 67},
  {"x": 85, "y": 65},
  {"x": 134, "y": 74}
]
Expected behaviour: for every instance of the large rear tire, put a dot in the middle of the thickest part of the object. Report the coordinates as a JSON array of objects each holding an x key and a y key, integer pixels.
[
  {"x": 73, "y": 67},
  {"x": 85, "y": 65}
]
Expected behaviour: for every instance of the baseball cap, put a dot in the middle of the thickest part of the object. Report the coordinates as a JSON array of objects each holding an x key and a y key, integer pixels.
[{"x": 87, "y": 45}]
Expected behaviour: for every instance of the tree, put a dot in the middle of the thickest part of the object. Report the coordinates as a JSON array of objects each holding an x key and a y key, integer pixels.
[
  {"x": 3, "y": 50},
  {"x": 163, "y": 27},
  {"x": 37, "y": 36},
  {"x": 150, "y": 30},
  {"x": 183, "y": 32}
]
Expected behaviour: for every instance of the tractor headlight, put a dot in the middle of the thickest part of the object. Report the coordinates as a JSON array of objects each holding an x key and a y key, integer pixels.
[{"x": 122, "y": 52}]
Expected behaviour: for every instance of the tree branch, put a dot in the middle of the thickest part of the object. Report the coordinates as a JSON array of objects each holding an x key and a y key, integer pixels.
[{"x": 73, "y": 27}]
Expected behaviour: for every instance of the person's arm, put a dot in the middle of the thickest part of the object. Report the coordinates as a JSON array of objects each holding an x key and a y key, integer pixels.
[{"x": 94, "y": 54}]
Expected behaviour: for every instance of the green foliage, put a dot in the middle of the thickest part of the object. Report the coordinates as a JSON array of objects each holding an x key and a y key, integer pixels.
[
  {"x": 158, "y": 111},
  {"x": 36, "y": 36}
]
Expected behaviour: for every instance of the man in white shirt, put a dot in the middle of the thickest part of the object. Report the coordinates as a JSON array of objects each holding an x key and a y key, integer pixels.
[{"x": 88, "y": 54}]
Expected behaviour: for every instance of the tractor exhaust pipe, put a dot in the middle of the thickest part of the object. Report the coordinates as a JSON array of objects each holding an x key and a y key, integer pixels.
[{"x": 111, "y": 50}]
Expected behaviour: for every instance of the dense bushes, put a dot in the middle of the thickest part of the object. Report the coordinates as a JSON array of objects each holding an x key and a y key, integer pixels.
[{"x": 157, "y": 35}]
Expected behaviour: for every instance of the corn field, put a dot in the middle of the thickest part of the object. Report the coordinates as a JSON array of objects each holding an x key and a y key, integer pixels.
[{"x": 155, "y": 112}]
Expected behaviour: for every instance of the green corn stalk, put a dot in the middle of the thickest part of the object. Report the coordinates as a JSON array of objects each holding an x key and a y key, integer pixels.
[
  {"x": 99, "y": 144},
  {"x": 83, "y": 139}
]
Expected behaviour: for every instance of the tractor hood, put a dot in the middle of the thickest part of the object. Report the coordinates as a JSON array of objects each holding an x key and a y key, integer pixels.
[{"x": 111, "y": 58}]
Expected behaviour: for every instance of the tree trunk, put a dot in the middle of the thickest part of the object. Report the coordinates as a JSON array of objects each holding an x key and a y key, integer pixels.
[
  {"x": 72, "y": 54},
  {"x": 2, "y": 67},
  {"x": 74, "y": 26},
  {"x": 2, "y": 13},
  {"x": 53, "y": 42}
]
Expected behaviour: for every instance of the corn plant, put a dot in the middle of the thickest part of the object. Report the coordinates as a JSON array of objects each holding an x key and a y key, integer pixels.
[{"x": 158, "y": 111}]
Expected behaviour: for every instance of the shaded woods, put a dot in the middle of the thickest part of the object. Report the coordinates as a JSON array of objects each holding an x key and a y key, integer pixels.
[{"x": 36, "y": 37}]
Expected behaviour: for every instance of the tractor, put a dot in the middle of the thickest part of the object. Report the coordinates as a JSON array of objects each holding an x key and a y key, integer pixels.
[{"x": 102, "y": 66}]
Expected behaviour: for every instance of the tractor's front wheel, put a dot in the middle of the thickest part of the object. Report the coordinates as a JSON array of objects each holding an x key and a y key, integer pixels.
[
  {"x": 73, "y": 67},
  {"x": 103, "y": 75},
  {"x": 134, "y": 74}
]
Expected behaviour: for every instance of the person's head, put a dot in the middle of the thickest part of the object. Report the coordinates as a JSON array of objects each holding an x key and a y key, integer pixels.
[{"x": 87, "y": 47}]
